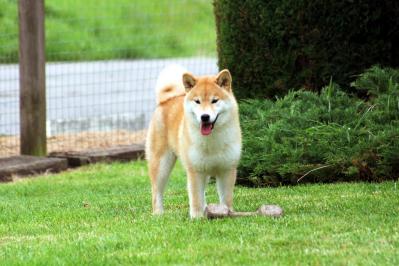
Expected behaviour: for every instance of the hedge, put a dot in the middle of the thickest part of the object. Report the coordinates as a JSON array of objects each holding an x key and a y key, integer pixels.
[
  {"x": 275, "y": 45},
  {"x": 326, "y": 137}
]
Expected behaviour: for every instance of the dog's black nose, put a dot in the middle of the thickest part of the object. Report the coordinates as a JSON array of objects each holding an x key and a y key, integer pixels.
[{"x": 205, "y": 118}]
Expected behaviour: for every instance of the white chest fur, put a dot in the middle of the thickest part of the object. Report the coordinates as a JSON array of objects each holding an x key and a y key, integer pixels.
[{"x": 215, "y": 153}]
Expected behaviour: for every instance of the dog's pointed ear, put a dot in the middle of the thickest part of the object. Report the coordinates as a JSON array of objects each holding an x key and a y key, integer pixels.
[
  {"x": 189, "y": 81},
  {"x": 224, "y": 80}
]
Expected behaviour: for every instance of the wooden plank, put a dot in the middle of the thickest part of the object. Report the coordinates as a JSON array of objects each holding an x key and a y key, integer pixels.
[
  {"x": 32, "y": 78},
  {"x": 29, "y": 165},
  {"x": 122, "y": 153}
]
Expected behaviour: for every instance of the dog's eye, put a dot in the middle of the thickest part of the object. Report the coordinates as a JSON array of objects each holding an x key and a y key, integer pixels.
[
  {"x": 215, "y": 100},
  {"x": 197, "y": 101}
]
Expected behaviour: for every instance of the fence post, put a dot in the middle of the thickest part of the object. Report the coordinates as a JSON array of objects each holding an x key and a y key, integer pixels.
[{"x": 32, "y": 99}]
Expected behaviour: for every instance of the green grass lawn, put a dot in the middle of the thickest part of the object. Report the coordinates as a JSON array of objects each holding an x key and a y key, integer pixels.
[
  {"x": 103, "y": 29},
  {"x": 101, "y": 214}
]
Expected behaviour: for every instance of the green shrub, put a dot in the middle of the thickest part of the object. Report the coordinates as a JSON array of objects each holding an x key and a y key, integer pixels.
[
  {"x": 273, "y": 46},
  {"x": 323, "y": 137},
  {"x": 377, "y": 80}
]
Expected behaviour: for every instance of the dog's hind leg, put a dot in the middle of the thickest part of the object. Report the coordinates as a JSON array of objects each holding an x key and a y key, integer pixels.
[{"x": 159, "y": 170}]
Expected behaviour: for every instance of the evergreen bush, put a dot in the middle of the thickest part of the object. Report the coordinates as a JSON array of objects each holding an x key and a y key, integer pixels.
[
  {"x": 275, "y": 45},
  {"x": 323, "y": 137}
]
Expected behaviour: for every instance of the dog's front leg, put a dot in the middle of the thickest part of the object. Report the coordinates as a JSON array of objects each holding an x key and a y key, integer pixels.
[
  {"x": 225, "y": 186},
  {"x": 196, "y": 193}
]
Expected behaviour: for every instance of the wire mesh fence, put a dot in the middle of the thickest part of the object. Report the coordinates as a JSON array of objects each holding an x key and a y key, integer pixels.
[
  {"x": 9, "y": 86},
  {"x": 103, "y": 58}
]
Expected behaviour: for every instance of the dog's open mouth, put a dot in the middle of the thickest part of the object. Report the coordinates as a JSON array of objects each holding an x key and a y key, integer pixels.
[{"x": 207, "y": 127}]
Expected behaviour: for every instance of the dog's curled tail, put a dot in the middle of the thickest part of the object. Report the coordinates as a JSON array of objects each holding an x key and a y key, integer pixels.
[{"x": 170, "y": 83}]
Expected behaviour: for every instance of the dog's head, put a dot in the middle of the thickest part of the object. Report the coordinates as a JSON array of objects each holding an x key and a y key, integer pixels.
[{"x": 209, "y": 100}]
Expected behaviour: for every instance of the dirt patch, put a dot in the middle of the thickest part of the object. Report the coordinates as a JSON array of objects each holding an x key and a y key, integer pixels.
[{"x": 9, "y": 145}]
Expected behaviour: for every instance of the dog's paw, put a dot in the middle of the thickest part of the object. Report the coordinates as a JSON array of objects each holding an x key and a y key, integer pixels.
[
  {"x": 157, "y": 212},
  {"x": 197, "y": 214}
]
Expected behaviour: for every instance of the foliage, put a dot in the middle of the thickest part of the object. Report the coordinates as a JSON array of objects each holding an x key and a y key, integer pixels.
[
  {"x": 103, "y": 29},
  {"x": 377, "y": 80},
  {"x": 101, "y": 215},
  {"x": 331, "y": 136},
  {"x": 273, "y": 46}
]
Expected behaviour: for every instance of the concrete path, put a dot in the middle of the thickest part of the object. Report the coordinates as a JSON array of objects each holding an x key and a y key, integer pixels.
[{"x": 94, "y": 96}]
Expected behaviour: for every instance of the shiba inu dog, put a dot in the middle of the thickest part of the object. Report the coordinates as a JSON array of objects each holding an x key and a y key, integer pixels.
[{"x": 196, "y": 120}]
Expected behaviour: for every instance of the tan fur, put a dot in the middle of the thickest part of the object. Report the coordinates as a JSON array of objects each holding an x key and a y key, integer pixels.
[{"x": 174, "y": 132}]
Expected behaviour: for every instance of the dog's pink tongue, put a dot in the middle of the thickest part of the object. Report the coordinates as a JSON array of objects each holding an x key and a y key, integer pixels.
[{"x": 206, "y": 128}]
